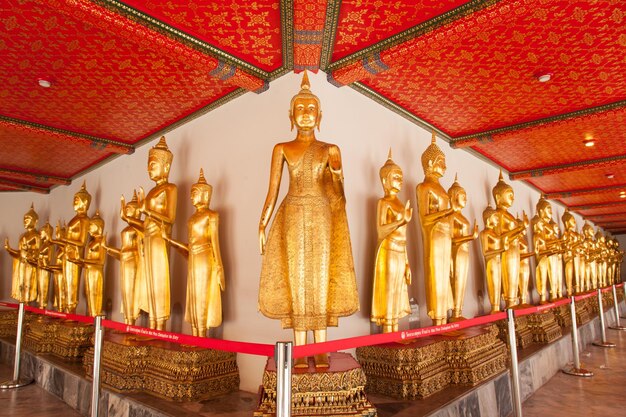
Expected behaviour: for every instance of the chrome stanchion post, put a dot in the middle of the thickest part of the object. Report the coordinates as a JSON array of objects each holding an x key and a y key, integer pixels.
[
  {"x": 603, "y": 342},
  {"x": 617, "y": 325},
  {"x": 576, "y": 369},
  {"x": 16, "y": 382},
  {"x": 515, "y": 387},
  {"x": 97, "y": 356},
  {"x": 283, "y": 357}
]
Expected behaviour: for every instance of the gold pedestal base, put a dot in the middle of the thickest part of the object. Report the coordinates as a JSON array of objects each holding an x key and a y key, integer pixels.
[
  {"x": 8, "y": 323},
  {"x": 337, "y": 391},
  {"x": 583, "y": 312},
  {"x": 563, "y": 316},
  {"x": 544, "y": 327},
  {"x": 164, "y": 369},
  {"x": 406, "y": 371},
  {"x": 67, "y": 340},
  {"x": 523, "y": 334},
  {"x": 474, "y": 354}
]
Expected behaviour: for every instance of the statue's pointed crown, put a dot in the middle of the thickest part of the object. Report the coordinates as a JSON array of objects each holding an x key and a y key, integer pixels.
[
  {"x": 432, "y": 153},
  {"x": 455, "y": 187},
  {"x": 201, "y": 183},
  {"x": 32, "y": 213},
  {"x": 500, "y": 187},
  {"x": 543, "y": 202},
  {"x": 97, "y": 219},
  {"x": 305, "y": 92},
  {"x": 47, "y": 229},
  {"x": 83, "y": 193},
  {"x": 161, "y": 151},
  {"x": 388, "y": 167},
  {"x": 488, "y": 212}
]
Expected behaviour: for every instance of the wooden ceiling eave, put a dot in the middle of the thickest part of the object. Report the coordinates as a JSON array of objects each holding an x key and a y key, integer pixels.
[
  {"x": 38, "y": 178},
  {"x": 572, "y": 167},
  {"x": 24, "y": 187},
  {"x": 583, "y": 192}
]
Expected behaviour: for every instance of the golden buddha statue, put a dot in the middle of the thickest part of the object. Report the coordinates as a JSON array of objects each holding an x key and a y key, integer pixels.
[
  {"x": 510, "y": 229},
  {"x": 524, "y": 270},
  {"x": 60, "y": 287},
  {"x": 435, "y": 219},
  {"x": 461, "y": 237},
  {"x": 556, "y": 262},
  {"x": 571, "y": 256},
  {"x": 307, "y": 275},
  {"x": 95, "y": 256},
  {"x": 205, "y": 276},
  {"x": 492, "y": 247},
  {"x": 44, "y": 261},
  {"x": 582, "y": 254},
  {"x": 74, "y": 241},
  {"x": 601, "y": 259},
  {"x": 159, "y": 212},
  {"x": 543, "y": 235},
  {"x": 392, "y": 273},
  {"x": 132, "y": 280},
  {"x": 590, "y": 258},
  {"x": 24, "y": 280}
]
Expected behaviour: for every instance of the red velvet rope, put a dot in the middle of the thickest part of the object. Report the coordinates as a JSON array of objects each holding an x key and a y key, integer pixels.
[{"x": 310, "y": 349}]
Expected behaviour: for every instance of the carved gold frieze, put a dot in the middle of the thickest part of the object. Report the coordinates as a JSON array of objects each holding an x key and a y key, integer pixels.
[
  {"x": 563, "y": 315},
  {"x": 544, "y": 327},
  {"x": 67, "y": 340},
  {"x": 523, "y": 333}
]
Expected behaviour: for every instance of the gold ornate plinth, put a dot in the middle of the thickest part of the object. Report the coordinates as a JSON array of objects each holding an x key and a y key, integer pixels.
[
  {"x": 338, "y": 391},
  {"x": 544, "y": 327},
  {"x": 583, "y": 312},
  {"x": 474, "y": 354},
  {"x": 167, "y": 370},
  {"x": 563, "y": 316},
  {"x": 8, "y": 323},
  {"x": 67, "y": 340},
  {"x": 406, "y": 371},
  {"x": 523, "y": 333}
]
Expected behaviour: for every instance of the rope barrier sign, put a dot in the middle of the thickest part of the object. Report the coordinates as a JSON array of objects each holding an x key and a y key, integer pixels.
[
  {"x": 17, "y": 382},
  {"x": 576, "y": 369}
]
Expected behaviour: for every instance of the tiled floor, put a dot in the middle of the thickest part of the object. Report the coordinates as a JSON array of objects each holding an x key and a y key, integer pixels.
[{"x": 603, "y": 395}]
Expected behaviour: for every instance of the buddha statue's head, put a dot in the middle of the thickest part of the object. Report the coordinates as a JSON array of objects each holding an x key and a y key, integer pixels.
[
  {"x": 131, "y": 209},
  {"x": 600, "y": 237},
  {"x": 31, "y": 218},
  {"x": 544, "y": 209},
  {"x": 433, "y": 159},
  {"x": 490, "y": 217},
  {"x": 569, "y": 221},
  {"x": 82, "y": 199},
  {"x": 305, "y": 110},
  {"x": 391, "y": 176},
  {"x": 96, "y": 225},
  {"x": 46, "y": 232},
  {"x": 201, "y": 191},
  {"x": 588, "y": 231},
  {"x": 457, "y": 194},
  {"x": 159, "y": 161},
  {"x": 503, "y": 193}
]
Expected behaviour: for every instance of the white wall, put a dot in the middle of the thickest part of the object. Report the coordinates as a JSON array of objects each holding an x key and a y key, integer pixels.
[{"x": 233, "y": 144}]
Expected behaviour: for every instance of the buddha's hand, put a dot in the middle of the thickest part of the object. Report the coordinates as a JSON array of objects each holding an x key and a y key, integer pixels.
[
  {"x": 407, "y": 274},
  {"x": 141, "y": 197},
  {"x": 408, "y": 212},
  {"x": 262, "y": 239},
  {"x": 122, "y": 207},
  {"x": 6, "y": 243},
  {"x": 475, "y": 229}
]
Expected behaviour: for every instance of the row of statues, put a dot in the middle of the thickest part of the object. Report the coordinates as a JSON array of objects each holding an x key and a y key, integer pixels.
[{"x": 307, "y": 277}]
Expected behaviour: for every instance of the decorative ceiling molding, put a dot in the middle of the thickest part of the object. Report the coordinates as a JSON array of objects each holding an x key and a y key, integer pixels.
[
  {"x": 60, "y": 134},
  {"x": 588, "y": 191},
  {"x": 595, "y": 206},
  {"x": 330, "y": 33},
  {"x": 600, "y": 217},
  {"x": 491, "y": 135},
  {"x": 24, "y": 187},
  {"x": 40, "y": 178},
  {"x": 576, "y": 166},
  {"x": 308, "y": 25},
  {"x": 287, "y": 28}
]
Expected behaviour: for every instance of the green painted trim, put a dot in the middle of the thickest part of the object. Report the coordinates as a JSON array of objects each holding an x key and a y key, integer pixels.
[
  {"x": 330, "y": 32},
  {"x": 546, "y": 120},
  {"x": 414, "y": 32}
]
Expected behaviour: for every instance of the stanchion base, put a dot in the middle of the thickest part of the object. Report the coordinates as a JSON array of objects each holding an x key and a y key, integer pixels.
[
  {"x": 577, "y": 372},
  {"x": 617, "y": 327},
  {"x": 15, "y": 384},
  {"x": 604, "y": 344}
]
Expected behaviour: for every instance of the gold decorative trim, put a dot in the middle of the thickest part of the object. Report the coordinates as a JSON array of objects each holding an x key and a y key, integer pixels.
[
  {"x": 330, "y": 32},
  {"x": 286, "y": 23},
  {"x": 418, "y": 30}
]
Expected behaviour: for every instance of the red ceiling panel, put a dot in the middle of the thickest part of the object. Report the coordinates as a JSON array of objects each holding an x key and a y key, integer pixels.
[
  {"x": 596, "y": 198},
  {"x": 559, "y": 142},
  {"x": 39, "y": 153},
  {"x": 575, "y": 180},
  {"x": 478, "y": 73},
  {"x": 248, "y": 30},
  {"x": 362, "y": 23},
  {"x": 102, "y": 85},
  {"x": 602, "y": 210}
]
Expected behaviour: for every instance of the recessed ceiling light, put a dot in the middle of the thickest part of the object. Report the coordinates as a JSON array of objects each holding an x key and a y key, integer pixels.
[
  {"x": 545, "y": 77},
  {"x": 44, "y": 83},
  {"x": 622, "y": 195},
  {"x": 610, "y": 176},
  {"x": 589, "y": 142}
]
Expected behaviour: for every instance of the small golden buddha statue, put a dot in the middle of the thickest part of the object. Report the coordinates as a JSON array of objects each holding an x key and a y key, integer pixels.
[
  {"x": 205, "y": 276},
  {"x": 542, "y": 237},
  {"x": 95, "y": 256},
  {"x": 24, "y": 280},
  {"x": 132, "y": 280},
  {"x": 510, "y": 229},
  {"x": 44, "y": 261},
  {"x": 492, "y": 247},
  {"x": 601, "y": 262},
  {"x": 524, "y": 270},
  {"x": 307, "y": 275},
  {"x": 582, "y": 254},
  {"x": 590, "y": 257},
  {"x": 392, "y": 273},
  {"x": 435, "y": 219},
  {"x": 571, "y": 256},
  {"x": 159, "y": 213},
  {"x": 556, "y": 262},
  {"x": 60, "y": 285},
  {"x": 461, "y": 237}
]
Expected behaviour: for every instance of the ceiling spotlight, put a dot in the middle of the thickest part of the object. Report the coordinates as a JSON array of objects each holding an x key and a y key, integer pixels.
[
  {"x": 545, "y": 77},
  {"x": 622, "y": 195},
  {"x": 589, "y": 142},
  {"x": 610, "y": 176},
  {"x": 44, "y": 83}
]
